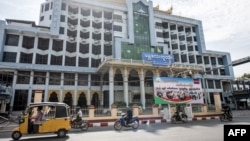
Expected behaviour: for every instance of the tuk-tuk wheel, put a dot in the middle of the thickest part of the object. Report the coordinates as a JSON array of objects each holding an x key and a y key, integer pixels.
[
  {"x": 61, "y": 133},
  {"x": 16, "y": 135}
]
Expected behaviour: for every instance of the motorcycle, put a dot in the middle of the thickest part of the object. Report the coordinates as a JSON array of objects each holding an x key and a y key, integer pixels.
[
  {"x": 179, "y": 117},
  {"x": 224, "y": 116},
  {"x": 121, "y": 122},
  {"x": 83, "y": 124}
]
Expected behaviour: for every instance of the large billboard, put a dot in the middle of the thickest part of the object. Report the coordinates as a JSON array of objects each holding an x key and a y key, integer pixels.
[
  {"x": 158, "y": 59},
  {"x": 177, "y": 90}
]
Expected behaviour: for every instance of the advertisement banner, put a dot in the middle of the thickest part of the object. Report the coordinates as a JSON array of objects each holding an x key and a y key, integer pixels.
[
  {"x": 177, "y": 90},
  {"x": 158, "y": 59}
]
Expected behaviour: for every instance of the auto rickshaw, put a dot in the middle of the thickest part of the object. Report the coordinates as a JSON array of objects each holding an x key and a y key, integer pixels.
[{"x": 54, "y": 117}]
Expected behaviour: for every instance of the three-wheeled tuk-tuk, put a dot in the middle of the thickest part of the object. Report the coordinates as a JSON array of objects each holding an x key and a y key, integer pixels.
[{"x": 42, "y": 118}]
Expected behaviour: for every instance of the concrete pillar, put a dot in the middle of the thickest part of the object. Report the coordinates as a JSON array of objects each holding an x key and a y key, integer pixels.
[
  {"x": 217, "y": 102},
  {"x": 89, "y": 90},
  {"x": 46, "y": 87},
  {"x": 75, "y": 91},
  {"x": 61, "y": 88},
  {"x": 155, "y": 110},
  {"x": 125, "y": 85},
  {"x": 135, "y": 110},
  {"x": 113, "y": 111},
  {"x": 30, "y": 87},
  {"x": 91, "y": 112},
  {"x": 111, "y": 86},
  {"x": 142, "y": 88}
]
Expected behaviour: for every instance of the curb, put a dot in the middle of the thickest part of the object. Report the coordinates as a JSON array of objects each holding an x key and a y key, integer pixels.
[
  {"x": 111, "y": 123},
  {"x": 152, "y": 121}
]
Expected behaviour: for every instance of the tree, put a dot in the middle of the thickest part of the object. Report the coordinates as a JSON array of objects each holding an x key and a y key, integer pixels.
[{"x": 245, "y": 76}]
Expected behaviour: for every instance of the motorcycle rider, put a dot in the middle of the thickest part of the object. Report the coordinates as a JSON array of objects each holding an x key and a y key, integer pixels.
[
  {"x": 79, "y": 115},
  {"x": 178, "y": 112},
  {"x": 129, "y": 115},
  {"x": 227, "y": 110}
]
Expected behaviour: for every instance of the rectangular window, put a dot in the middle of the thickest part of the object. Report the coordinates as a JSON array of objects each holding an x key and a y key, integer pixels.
[
  {"x": 41, "y": 59},
  {"x": 54, "y": 78},
  {"x": 220, "y": 61},
  {"x": 210, "y": 84},
  {"x": 57, "y": 45},
  {"x": 56, "y": 60},
  {"x": 165, "y": 25},
  {"x": 159, "y": 34},
  {"x": 12, "y": 40},
  {"x": 61, "y": 30},
  {"x": 182, "y": 47},
  {"x": 28, "y": 42},
  {"x": 213, "y": 61},
  {"x": 83, "y": 79},
  {"x": 176, "y": 57},
  {"x": 217, "y": 84},
  {"x": 117, "y": 28},
  {"x": 39, "y": 77},
  {"x": 42, "y": 9},
  {"x": 62, "y": 18},
  {"x": 191, "y": 59},
  {"x": 206, "y": 60},
  {"x": 199, "y": 59},
  {"x": 208, "y": 71},
  {"x": 51, "y": 5},
  {"x": 117, "y": 17},
  {"x": 190, "y": 48},
  {"x": 183, "y": 58},
  {"x": 23, "y": 77},
  {"x": 9, "y": 56},
  {"x": 69, "y": 79},
  {"x": 46, "y": 6},
  {"x": 172, "y": 27},
  {"x": 41, "y": 18},
  {"x": 26, "y": 58},
  {"x": 63, "y": 6},
  {"x": 165, "y": 35},
  {"x": 95, "y": 80},
  {"x": 70, "y": 61}
]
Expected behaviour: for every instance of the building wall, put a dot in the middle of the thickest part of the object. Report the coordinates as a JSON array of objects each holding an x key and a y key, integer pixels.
[{"x": 180, "y": 36}]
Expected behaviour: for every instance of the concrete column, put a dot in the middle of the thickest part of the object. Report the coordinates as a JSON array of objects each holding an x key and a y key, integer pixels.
[
  {"x": 113, "y": 111},
  {"x": 125, "y": 85},
  {"x": 46, "y": 87},
  {"x": 89, "y": 90},
  {"x": 61, "y": 88},
  {"x": 142, "y": 88},
  {"x": 217, "y": 102},
  {"x": 13, "y": 91},
  {"x": 111, "y": 86},
  {"x": 75, "y": 91},
  {"x": 30, "y": 87}
]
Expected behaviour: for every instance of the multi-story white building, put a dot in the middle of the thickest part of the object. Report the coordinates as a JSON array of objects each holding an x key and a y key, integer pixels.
[{"x": 89, "y": 52}]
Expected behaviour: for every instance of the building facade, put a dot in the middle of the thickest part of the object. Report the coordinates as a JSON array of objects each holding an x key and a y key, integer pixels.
[
  {"x": 241, "y": 94},
  {"x": 89, "y": 53}
]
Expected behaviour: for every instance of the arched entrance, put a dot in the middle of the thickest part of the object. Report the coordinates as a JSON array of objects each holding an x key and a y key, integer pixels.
[
  {"x": 95, "y": 100},
  {"x": 53, "y": 97},
  {"x": 82, "y": 101},
  {"x": 68, "y": 99}
]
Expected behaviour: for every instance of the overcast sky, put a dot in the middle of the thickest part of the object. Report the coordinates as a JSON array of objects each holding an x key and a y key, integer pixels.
[{"x": 226, "y": 23}]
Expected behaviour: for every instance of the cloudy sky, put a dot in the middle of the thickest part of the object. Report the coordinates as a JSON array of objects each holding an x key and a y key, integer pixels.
[{"x": 226, "y": 23}]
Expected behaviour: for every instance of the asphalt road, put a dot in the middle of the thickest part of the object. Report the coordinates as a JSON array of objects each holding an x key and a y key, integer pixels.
[{"x": 208, "y": 130}]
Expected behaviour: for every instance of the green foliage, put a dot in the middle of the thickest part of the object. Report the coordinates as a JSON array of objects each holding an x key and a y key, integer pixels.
[
  {"x": 133, "y": 103},
  {"x": 120, "y": 104},
  {"x": 246, "y": 75}
]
